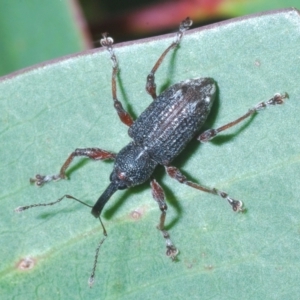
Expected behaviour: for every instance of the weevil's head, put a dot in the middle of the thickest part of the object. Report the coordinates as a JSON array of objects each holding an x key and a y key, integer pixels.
[{"x": 133, "y": 166}]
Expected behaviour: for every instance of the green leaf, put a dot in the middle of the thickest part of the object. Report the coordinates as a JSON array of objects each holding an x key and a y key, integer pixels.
[{"x": 48, "y": 111}]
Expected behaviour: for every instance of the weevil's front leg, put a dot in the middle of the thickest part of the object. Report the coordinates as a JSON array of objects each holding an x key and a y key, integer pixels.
[
  {"x": 175, "y": 173},
  {"x": 150, "y": 83},
  {"x": 211, "y": 133},
  {"x": 124, "y": 116},
  {"x": 92, "y": 153},
  {"x": 159, "y": 197}
]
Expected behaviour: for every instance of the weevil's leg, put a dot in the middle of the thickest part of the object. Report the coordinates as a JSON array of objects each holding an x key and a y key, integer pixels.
[
  {"x": 150, "y": 83},
  {"x": 124, "y": 116},
  {"x": 22, "y": 208},
  {"x": 92, "y": 277},
  {"x": 93, "y": 153},
  {"x": 211, "y": 133},
  {"x": 175, "y": 173},
  {"x": 159, "y": 196}
]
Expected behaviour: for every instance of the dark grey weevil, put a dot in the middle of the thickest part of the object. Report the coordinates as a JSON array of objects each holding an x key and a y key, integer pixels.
[{"x": 160, "y": 133}]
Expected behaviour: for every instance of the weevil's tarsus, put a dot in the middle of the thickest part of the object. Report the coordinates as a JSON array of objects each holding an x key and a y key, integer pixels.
[
  {"x": 159, "y": 196},
  {"x": 92, "y": 153},
  {"x": 211, "y": 133},
  {"x": 175, "y": 173},
  {"x": 124, "y": 116},
  {"x": 92, "y": 277},
  {"x": 236, "y": 205},
  {"x": 40, "y": 180},
  {"x": 150, "y": 83}
]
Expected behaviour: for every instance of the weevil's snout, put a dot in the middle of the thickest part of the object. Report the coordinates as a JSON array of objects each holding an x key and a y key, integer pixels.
[{"x": 97, "y": 208}]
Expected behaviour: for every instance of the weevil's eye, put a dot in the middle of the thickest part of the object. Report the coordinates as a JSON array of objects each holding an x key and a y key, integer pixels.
[
  {"x": 122, "y": 179},
  {"x": 119, "y": 178},
  {"x": 122, "y": 175}
]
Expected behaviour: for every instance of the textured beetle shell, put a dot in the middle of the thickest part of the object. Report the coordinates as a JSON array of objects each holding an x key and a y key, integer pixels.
[{"x": 174, "y": 118}]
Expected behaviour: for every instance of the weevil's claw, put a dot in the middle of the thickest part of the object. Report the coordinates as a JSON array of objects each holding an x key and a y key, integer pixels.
[
  {"x": 279, "y": 98},
  {"x": 185, "y": 24},
  {"x": 38, "y": 180},
  {"x": 172, "y": 252},
  {"x": 106, "y": 41},
  {"x": 236, "y": 205}
]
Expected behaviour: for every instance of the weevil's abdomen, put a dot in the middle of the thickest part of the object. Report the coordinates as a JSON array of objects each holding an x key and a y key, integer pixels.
[{"x": 174, "y": 118}]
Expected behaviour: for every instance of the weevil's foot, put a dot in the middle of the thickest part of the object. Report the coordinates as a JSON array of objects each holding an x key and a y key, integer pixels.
[
  {"x": 278, "y": 99},
  {"x": 106, "y": 41},
  {"x": 40, "y": 180},
  {"x": 185, "y": 24},
  {"x": 172, "y": 252},
  {"x": 236, "y": 205}
]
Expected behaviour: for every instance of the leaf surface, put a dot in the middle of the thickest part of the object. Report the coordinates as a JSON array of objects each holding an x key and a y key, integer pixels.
[{"x": 49, "y": 110}]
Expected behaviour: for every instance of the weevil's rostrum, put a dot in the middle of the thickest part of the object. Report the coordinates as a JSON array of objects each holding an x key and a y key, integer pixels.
[{"x": 158, "y": 135}]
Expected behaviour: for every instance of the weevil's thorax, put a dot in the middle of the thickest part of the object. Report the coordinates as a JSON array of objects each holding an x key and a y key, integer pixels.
[{"x": 133, "y": 166}]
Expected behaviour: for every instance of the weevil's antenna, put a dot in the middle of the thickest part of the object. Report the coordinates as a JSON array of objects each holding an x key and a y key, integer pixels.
[
  {"x": 92, "y": 277},
  {"x": 22, "y": 208}
]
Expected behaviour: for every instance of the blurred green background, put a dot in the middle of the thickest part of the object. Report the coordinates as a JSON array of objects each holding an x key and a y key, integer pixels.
[{"x": 35, "y": 31}]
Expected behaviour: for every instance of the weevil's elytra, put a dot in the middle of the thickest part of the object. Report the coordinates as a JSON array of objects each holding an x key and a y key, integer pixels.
[
  {"x": 173, "y": 119},
  {"x": 158, "y": 135}
]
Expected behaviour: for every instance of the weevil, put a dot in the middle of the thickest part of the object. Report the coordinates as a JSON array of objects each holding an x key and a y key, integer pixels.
[{"x": 158, "y": 135}]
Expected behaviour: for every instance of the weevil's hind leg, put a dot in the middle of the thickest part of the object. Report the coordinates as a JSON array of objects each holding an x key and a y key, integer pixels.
[
  {"x": 124, "y": 116},
  {"x": 175, "y": 173},
  {"x": 92, "y": 153},
  {"x": 211, "y": 133},
  {"x": 159, "y": 197},
  {"x": 150, "y": 83}
]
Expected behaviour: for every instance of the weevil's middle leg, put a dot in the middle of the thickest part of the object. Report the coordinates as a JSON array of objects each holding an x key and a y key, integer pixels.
[
  {"x": 159, "y": 197},
  {"x": 211, "y": 133},
  {"x": 175, "y": 173},
  {"x": 124, "y": 116},
  {"x": 92, "y": 153},
  {"x": 150, "y": 83}
]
